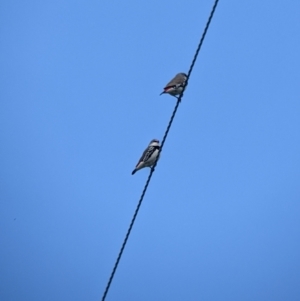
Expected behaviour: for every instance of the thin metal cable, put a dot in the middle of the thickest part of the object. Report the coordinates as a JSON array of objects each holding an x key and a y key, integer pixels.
[{"x": 162, "y": 144}]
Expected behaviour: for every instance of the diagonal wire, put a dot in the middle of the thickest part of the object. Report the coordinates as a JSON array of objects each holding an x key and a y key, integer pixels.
[{"x": 162, "y": 144}]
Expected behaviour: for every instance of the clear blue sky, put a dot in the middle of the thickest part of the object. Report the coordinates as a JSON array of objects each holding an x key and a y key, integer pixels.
[{"x": 80, "y": 84}]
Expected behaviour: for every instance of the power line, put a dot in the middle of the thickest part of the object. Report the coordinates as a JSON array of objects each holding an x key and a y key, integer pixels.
[{"x": 162, "y": 144}]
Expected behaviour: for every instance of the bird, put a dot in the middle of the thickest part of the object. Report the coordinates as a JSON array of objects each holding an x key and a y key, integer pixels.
[
  {"x": 176, "y": 85},
  {"x": 149, "y": 156}
]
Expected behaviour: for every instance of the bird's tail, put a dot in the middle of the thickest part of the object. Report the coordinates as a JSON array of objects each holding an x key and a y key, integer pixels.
[
  {"x": 162, "y": 92},
  {"x": 134, "y": 171}
]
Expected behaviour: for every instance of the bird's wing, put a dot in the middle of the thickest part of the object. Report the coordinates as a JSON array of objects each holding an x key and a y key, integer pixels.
[
  {"x": 148, "y": 152},
  {"x": 178, "y": 79}
]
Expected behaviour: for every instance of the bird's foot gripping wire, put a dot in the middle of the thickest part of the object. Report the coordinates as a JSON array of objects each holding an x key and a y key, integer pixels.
[{"x": 177, "y": 97}]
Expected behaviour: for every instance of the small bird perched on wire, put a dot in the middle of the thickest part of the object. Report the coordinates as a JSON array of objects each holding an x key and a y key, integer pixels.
[
  {"x": 149, "y": 156},
  {"x": 176, "y": 85}
]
